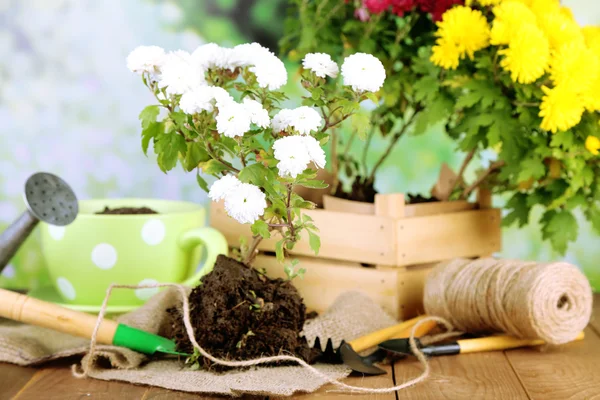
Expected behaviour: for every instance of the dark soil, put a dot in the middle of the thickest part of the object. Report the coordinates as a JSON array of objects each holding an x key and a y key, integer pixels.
[
  {"x": 239, "y": 314},
  {"x": 127, "y": 210},
  {"x": 365, "y": 192},
  {"x": 361, "y": 191}
]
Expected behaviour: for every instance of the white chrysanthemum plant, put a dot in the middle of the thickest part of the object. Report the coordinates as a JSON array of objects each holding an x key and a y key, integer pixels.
[{"x": 221, "y": 117}]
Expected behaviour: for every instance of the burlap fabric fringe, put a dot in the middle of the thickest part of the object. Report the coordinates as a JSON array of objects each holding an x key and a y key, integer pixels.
[
  {"x": 82, "y": 371},
  {"x": 549, "y": 301}
]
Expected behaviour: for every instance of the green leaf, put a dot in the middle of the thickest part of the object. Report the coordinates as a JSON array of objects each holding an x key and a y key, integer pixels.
[
  {"x": 148, "y": 115},
  {"x": 313, "y": 184},
  {"x": 201, "y": 182},
  {"x": 361, "y": 123},
  {"x": 314, "y": 241},
  {"x": 260, "y": 227},
  {"x": 212, "y": 167},
  {"x": 168, "y": 146},
  {"x": 562, "y": 139},
  {"x": 373, "y": 97},
  {"x": 531, "y": 168},
  {"x": 593, "y": 215},
  {"x": 151, "y": 131},
  {"x": 520, "y": 210},
  {"x": 258, "y": 175},
  {"x": 426, "y": 89},
  {"x": 195, "y": 155},
  {"x": 560, "y": 227},
  {"x": 438, "y": 110},
  {"x": 279, "y": 251}
]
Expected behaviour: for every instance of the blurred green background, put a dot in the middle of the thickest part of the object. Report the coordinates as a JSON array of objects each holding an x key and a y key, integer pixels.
[{"x": 68, "y": 105}]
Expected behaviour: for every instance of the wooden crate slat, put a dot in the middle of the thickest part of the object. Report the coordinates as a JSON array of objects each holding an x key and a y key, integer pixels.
[
  {"x": 438, "y": 207},
  {"x": 441, "y": 237},
  {"x": 344, "y": 236},
  {"x": 325, "y": 280}
]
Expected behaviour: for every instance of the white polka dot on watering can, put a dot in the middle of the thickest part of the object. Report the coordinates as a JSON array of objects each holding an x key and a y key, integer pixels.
[
  {"x": 153, "y": 232},
  {"x": 66, "y": 288},
  {"x": 146, "y": 293},
  {"x": 9, "y": 272},
  {"x": 56, "y": 232},
  {"x": 104, "y": 256}
]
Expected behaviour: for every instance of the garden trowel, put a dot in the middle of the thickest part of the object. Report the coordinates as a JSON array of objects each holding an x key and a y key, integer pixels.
[{"x": 32, "y": 311}]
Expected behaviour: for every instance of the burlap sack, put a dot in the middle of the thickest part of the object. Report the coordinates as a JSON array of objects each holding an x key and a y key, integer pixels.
[{"x": 352, "y": 315}]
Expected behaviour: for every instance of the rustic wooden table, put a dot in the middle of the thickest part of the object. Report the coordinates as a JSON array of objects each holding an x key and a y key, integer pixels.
[{"x": 570, "y": 372}]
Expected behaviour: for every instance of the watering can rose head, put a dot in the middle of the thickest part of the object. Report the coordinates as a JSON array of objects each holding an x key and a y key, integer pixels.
[{"x": 221, "y": 117}]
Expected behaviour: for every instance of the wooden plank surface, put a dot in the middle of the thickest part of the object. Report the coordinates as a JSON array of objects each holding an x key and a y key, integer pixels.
[
  {"x": 464, "y": 376},
  {"x": 328, "y": 391},
  {"x": 57, "y": 383},
  {"x": 13, "y": 378},
  {"x": 446, "y": 236},
  {"x": 595, "y": 321}
]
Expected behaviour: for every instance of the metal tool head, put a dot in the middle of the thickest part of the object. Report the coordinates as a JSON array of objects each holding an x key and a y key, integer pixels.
[
  {"x": 359, "y": 363},
  {"x": 399, "y": 346},
  {"x": 50, "y": 199}
]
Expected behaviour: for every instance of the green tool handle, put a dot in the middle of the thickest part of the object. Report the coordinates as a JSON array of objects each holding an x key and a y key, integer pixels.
[{"x": 19, "y": 307}]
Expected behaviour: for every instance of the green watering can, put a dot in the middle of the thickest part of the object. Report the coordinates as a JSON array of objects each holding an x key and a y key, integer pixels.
[{"x": 32, "y": 311}]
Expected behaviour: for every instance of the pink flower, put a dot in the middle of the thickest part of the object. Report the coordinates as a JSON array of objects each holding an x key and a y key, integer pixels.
[
  {"x": 362, "y": 14},
  {"x": 399, "y": 7}
]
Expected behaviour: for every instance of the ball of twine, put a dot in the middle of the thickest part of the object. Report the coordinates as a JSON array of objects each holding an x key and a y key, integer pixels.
[{"x": 549, "y": 301}]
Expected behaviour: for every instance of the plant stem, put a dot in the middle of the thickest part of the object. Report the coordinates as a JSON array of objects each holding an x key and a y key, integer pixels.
[
  {"x": 526, "y": 104},
  {"x": 335, "y": 161},
  {"x": 366, "y": 150},
  {"x": 493, "y": 167},
  {"x": 212, "y": 153},
  {"x": 393, "y": 142},
  {"x": 461, "y": 172},
  {"x": 251, "y": 254},
  {"x": 289, "y": 210}
]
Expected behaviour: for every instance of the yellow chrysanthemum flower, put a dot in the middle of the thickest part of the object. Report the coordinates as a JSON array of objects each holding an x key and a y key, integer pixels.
[
  {"x": 560, "y": 29},
  {"x": 527, "y": 55},
  {"x": 462, "y": 30},
  {"x": 542, "y": 7},
  {"x": 445, "y": 54},
  {"x": 591, "y": 96},
  {"x": 561, "y": 109},
  {"x": 574, "y": 65},
  {"x": 592, "y": 38},
  {"x": 489, "y": 2},
  {"x": 508, "y": 16},
  {"x": 592, "y": 143}
]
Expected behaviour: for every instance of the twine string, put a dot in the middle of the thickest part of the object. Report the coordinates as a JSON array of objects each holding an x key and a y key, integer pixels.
[{"x": 83, "y": 370}]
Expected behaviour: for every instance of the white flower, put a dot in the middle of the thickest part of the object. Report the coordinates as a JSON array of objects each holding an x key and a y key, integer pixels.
[
  {"x": 179, "y": 74},
  {"x": 315, "y": 151},
  {"x": 207, "y": 55},
  {"x": 364, "y": 72},
  {"x": 270, "y": 72},
  {"x": 197, "y": 100},
  {"x": 281, "y": 120},
  {"x": 246, "y": 54},
  {"x": 295, "y": 153},
  {"x": 302, "y": 119},
  {"x": 321, "y": 65},
  {"x": 246, "y": 203},
  {"x": 222, "y": 187},
  {"x": 258, "y": 115},
  {"x": 233, "y": 120},
  {"x": 305, "y": 120},
  {"x": 146, "y": 59},
  {"x": 221, "y": 96}
]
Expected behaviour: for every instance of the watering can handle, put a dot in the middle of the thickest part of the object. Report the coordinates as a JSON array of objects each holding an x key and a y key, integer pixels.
[{"x": 19, "y": 307}]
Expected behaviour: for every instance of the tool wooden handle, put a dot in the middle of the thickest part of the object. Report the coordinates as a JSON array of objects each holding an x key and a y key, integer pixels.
[
  {"x": 373, "y": 339},
  {"x": 31, "y": 311},
  {"x": 499, "y": 343},
  {"x": 421, "y": 330}
]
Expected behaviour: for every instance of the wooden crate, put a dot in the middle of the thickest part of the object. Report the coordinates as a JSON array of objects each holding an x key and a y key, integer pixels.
[
  {"x": 385, "y": 249},
  {"x": 396, "y": 235}
]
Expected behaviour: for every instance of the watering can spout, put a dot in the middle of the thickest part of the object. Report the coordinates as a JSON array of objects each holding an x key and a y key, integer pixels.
[{"x": 49, "y": 199}]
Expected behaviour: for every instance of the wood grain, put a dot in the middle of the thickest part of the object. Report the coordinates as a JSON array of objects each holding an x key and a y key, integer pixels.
[
  {"x": 13, "y": 378},
  {"x": 464, "y": 376},
  {"x": 378, "y": 382},
  {"x": 164, "y": 394},
  {"x": 57, "y": 383},
  {"x": 446, "y": 236},
  {"x": 563, "y": 372}
]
